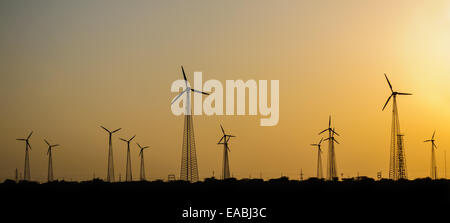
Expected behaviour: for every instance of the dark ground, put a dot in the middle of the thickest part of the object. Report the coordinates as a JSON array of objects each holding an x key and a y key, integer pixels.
[{"x": 285, "y": 200}]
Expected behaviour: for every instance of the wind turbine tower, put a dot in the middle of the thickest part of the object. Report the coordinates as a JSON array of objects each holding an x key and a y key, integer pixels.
[
  {"x": 110, "y": 177},
  {"x": 433, "y": 170},
  {"x": 128, "y": 176},
  {"x": 189, "y": 168},
  {"x": 26, "y": 171},
  {"x": 141, "y": 154},
  {"x": 226, "y": 163},
  {"x": 319, "y": 159},
  {"x": 397, "y": 163},
  {"x": 331, "y": 165},
  {"x": 50, "y": 161}
]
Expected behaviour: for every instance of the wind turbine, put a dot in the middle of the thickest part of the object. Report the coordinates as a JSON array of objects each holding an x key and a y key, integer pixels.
[
  {"x": 26, "y": 171},
  {"x": 110, "y": 177},
  {"x": 433, "y": 157},
  {"x": 319, "y": 159},
  {"x": 331, "y": 164},
  {"x": 397, "y": 164},
  {"x": 128, "y": 176},
  {"x": 50, "y": 161},
  {"x": 189, "y": 169},
  {"x": 141, "y": 154},
  {"x": 226, "y": 164}
]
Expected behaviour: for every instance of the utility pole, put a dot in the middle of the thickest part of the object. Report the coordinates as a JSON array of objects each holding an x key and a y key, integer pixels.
[{"x": 301, "y": 174}]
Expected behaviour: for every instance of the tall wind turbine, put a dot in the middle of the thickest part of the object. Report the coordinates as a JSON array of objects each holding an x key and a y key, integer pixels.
[
  {"x": 141, "y": 154},
  {"x": 319, "y": 159},
  {"x": 26, "y": 171},
  {"x": 433, "y": 170},
  {"x": 331, "y": 164},
  {"x": 397, "y": 164},
  {"x": 128, "y": 176},
  {"x": 110, "y": 177},
  {"x": 189, "y": 169},
  {"x": 50, "y": 161},
  {"x": 226, "y": 164}
]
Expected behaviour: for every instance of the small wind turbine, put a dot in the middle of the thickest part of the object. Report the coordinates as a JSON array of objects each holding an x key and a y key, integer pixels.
[
  {"x": 128, "y": 176},
  {"x": 50, "y": 161},
  {"x": 226, "y": 164},
  {"x": 26, "y": 172},
  {"x": 110, "y": 177},
  {"x": 141, "y": 154},
  {"x": 319, "y": 159},
  {"x": 433, "y": 157}
]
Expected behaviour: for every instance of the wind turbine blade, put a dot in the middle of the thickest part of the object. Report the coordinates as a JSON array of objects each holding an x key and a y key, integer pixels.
[
  {"x": 132, "y": 138},
  {"x": 404, "y": 93},
  {"x": 21, "y": 139},
  {"x": 386, "y": 102},
  {"x": 231, "y": 136},
  {"x": 28, "y": 144},
  {"x": 323, "y": 131},
  {"x": 184, "y": 75},
  {"x": 201, "y": 92},
  {"x": 123, "y": 139},
  {"x": 31, "y": 133},
  {"x": 222, "y": 129},
  {"x": 433, "y": 134},
  {"x": 176, "y": 98},
  {"x": 139, "y": 145},
  {"x": 116, "y": 130},
  {"x": 55, "y": 145},
  {"x": 427, "y": 140},
  {"x": 320, "y": 141},
  {"x": 329, "y": 121},
  {"x": 220, "y": 140},
  {"x": 46, "y": 142},
  {"x": 336, "y": 141},
  {"x": 314, "y": 144},
  {"x": 146, "y": 147},
  {"x": 105, "y": 129},
  {"x": 390, "y": 86}
]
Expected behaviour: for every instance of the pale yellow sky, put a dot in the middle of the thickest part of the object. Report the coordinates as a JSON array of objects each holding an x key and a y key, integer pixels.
[{"x": 66, "y": 68}]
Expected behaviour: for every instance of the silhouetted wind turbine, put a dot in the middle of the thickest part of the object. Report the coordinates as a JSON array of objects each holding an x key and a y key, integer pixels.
[
  {"x": 319, "y": 159},
  {"x": 26, "y": 171},
  {"x": 433, "y": 170},
  {"x": 226, "y": 164},
  {"x": 110, "y": 177},
  {"x": 189, "y": 168},
  {"x": 128, "y": 176},
  {"x": 50, "y": 161},
  {"x": 397, "y": 164},
  {"x": 331, "y": 164},
  {"x": 141, "y": 154}
]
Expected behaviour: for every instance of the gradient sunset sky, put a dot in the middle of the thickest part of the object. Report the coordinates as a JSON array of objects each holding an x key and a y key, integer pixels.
[{"x": 67, "y": 67}]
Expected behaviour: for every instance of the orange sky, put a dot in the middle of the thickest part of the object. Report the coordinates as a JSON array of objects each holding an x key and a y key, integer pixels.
[{"x": 66, "y": 68}]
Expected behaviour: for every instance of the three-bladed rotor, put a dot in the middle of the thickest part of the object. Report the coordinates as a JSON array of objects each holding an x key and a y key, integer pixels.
[
  {"x": 393, "y": 93},
  {"x": 225, "y": 138},
  {"x": 27, "y": 142},
  {"x": 318, "y": 145},
  {"x": 187, "y": 88},
  {"x": 50, "y": 146},
  {"x": 331, "y": 130},
  {"x": 142, "y": 148},
  {"x": 110, "y": 131},
  {"x": 432, "y": 140},
  {"x": 128, "y": 141}
]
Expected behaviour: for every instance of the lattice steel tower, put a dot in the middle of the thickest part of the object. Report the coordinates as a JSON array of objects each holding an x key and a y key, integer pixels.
[
  {"x": 331, "y": 164},
  {"x": 319, "y": 159},
  {"x": 397, "y": 161},
  {"x": 50, "y": 161},
  {"x": 128, "y": 176},
  {"x": 226, "y": 163},
  {"x": 110, "y": 176},
  {"x": 433, "y": 169},
  {"x": 26, "y": 171},
  {"x": 189, "y": 168}
]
